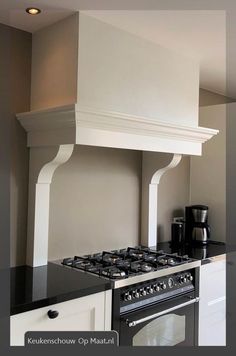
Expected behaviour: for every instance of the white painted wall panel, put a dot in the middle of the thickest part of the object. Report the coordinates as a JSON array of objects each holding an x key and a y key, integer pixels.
[{"x": 124, "y": 73}]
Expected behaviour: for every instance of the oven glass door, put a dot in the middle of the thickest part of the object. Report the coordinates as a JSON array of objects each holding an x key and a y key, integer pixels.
[{"x": 170, "y": 323}]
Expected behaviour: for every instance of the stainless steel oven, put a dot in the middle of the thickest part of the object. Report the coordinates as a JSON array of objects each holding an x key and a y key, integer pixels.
[
  {"x": 170, "y": 323},
  {"x": 161, "y": 312},
  {"x": 154, "y": 293}
]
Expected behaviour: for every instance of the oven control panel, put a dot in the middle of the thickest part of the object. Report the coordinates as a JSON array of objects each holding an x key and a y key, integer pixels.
[{"x": 138, "y": 295}]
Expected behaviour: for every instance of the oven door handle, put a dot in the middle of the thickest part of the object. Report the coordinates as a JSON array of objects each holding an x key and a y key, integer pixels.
[{"x": 156, "y": 315}]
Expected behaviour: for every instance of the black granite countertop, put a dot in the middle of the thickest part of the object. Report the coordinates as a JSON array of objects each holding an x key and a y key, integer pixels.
[
  {"x": 36, "y": 287},
  {"x": 198, "y": 252}
]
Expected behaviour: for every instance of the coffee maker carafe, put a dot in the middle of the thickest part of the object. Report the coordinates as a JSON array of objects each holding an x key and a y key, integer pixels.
[{"x": 197, "y": 229}]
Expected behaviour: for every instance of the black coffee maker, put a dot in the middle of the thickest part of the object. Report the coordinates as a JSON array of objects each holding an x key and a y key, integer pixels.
[{"x": 197, "y": 229}]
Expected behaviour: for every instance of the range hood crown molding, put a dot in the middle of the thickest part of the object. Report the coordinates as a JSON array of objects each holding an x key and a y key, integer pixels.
[{"x": 78, "y": 124}]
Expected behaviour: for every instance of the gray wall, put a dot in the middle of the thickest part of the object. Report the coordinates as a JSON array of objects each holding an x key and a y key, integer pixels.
[
  {"x": 173, "y": 197},
  {"x": 208, "y": 172},
  {"x": 95, "y": 202},
  {"x": 19, "y": 79}
]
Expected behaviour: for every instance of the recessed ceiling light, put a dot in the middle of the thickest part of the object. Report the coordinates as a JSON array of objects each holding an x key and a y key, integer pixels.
[{"x": 33, "y": 11}]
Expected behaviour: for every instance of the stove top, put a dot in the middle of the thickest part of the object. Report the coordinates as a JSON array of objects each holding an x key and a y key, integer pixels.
[{"x": 125, "y": 263}]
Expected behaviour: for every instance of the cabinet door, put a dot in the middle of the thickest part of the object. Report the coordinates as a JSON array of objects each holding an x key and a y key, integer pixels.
[
  {"x": 212, "y": 305},
  {"x": 88, "y": 313}
]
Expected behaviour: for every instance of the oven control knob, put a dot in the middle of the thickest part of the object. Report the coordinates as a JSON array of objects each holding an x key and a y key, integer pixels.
[
  {"x": 171, "y": 283},
  {"x": 183, "y": 279},
  {"x": 156, "y": 287},
  {"x": 143, "y": 292},
  {"x": 136, "y": 293},
  {"x": 190, "y": 277},
  {"x": 151, "y": 290},
  {"x": 163, "y": 285},
  {"x": 127, "y": 296}
]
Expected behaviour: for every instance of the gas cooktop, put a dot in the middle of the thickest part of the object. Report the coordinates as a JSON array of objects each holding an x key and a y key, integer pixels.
[{"x": 129, "y": 262}]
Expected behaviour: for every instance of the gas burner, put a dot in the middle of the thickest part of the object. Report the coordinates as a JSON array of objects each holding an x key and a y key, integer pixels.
[
  {"x": 146, "y": 267},
  {"x": 82, "y": 264},
  {"x": 74, "y": 262},
  {"x": 149, "y": 258},
  {"x": 171, "y": 262},
  {"x": 162, "y": 261},
  {"x": 67, "y": 261},
  {"x": 135, "y": 253},
  {"x": 137, "y": 267},
  {"x": 110, "y": 258},
  {"x": 123, "y": 264},
  {"x": 113, "y": 272},
  {"x": 93, "y": 268}
]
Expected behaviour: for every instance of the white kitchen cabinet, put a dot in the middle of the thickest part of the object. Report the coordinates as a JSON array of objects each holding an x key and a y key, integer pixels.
[
  {"x": 212, "y": 305},
  {"x": 90, "y": 313}
]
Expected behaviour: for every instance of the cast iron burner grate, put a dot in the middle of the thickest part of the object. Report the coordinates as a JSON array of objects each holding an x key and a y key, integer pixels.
[{"x": 119, "y": 264}]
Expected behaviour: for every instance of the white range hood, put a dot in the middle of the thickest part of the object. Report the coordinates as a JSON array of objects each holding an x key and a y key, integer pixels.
[
  {"x": 130, "y": 94},
  {"x": 75, "y": 124}
]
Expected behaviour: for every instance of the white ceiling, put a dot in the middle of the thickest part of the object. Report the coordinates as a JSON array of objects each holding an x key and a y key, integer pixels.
[
  {"x": 12, "y": 12},
  {"x": 198, "y": 34}
]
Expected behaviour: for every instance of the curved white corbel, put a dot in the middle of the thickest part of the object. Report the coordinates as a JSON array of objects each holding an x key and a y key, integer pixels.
[
  {"x": 158, "y": 174},
  {"x": 153, "y": 193},
  {"x": 63, "y": 155},
  {"x": 42, "y": 201}
]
